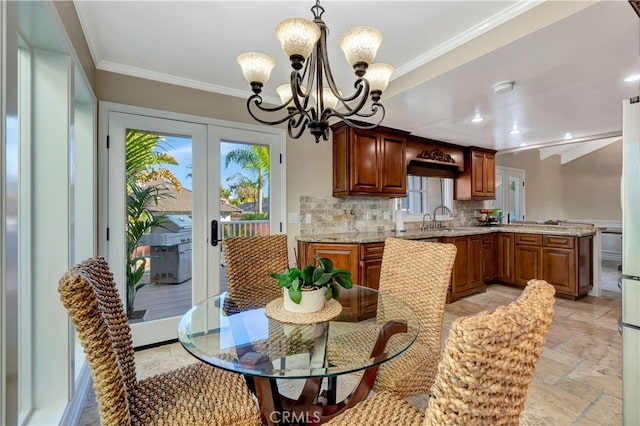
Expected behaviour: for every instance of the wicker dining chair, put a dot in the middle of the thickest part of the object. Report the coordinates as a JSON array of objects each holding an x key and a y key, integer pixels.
[
  {"x": 194, "y": 395},
  {"x": 487, "y": 365},
  {"x": 419, "y": 274},
  {"x": 248, "y": 263}
]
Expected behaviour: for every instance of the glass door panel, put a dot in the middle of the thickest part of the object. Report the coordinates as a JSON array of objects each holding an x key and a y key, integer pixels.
[
  {"x": 509, "y": 194},
  {"x": 160, "y": 210},
  {"x": 245, "y": 172}
]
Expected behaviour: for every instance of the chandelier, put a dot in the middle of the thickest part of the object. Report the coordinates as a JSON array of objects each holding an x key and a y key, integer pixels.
[{"x": 312, "y": 97}]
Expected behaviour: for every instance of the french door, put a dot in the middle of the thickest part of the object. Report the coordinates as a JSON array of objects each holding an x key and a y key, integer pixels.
[
  {"x": 169, "y": 180},
  {"x": 510, "y": 193}
]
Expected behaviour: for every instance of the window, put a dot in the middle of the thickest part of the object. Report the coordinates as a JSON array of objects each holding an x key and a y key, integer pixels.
[{"x": 425, "y": 195}]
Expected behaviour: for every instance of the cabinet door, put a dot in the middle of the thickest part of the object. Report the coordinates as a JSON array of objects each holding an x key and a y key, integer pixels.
[
  {"x": 475, "y": 260},
  {"x": 559, "y": 269},
  {"x": 343, "y": 256},
  {"x": 478, "y": 174},
  {"x": 489, "y": 173},
  {"x": 527, "y": 263},
  {"x": 393, "y": 168},
  {"x": 364, "y": 171},
  {"x": 505, "y": 257},
  {"x": 460, "y": 274},
  {"x": 488, "y": 259}
]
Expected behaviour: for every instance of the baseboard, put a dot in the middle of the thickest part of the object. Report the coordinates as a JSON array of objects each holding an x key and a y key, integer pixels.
[{"x": 73, "y": 411}]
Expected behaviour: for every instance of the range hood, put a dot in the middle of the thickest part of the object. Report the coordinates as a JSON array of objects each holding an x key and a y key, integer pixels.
[{"x": 431, "y": 158}]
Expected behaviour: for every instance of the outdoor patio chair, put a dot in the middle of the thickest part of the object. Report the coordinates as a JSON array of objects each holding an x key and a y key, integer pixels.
[
  {"x": 194, "y": 395},
  {"x": 483, "y": 376}
]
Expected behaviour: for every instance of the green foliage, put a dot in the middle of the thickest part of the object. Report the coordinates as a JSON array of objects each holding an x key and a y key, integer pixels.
[
  {"x": 254, "y": 216},
  {"x": 255, "y": 161},
  {"x": 143, "y": 166},
  {"x": 319, "y": 275}
]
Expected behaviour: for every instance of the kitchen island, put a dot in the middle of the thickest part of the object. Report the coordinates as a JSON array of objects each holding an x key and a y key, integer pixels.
[{"x": 507, "y": 254}]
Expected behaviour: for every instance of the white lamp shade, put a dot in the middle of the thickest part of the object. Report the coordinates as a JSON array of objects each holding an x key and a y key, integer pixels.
[
  {"x": 360, "y": 44},
  {"x": 378, "y": 76},
  {"x": 284, "y": 91},
  {"x": 256, "y": 67},
  {"x": 297, "y": 36}
]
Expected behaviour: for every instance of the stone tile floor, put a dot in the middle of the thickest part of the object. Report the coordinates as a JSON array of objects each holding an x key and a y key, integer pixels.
[{"x": 578, "y": 379}]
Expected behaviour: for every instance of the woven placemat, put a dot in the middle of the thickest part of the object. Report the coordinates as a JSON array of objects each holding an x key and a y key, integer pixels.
[{"x": 275, "y": 309}]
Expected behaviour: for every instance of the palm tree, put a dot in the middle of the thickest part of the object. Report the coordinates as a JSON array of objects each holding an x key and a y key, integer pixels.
[
  {"x": 256, "y": 162},
  {"x": 144, "y": 165}
]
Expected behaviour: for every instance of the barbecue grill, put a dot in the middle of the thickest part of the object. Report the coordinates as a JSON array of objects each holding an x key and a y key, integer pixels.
[{"x": 170, "y": 247}]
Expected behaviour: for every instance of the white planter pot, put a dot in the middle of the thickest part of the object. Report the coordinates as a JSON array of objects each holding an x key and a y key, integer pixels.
[{"x": 311, "y": 301}]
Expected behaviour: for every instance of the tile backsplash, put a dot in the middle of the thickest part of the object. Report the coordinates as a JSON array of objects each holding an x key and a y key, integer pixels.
[{"x": 330, "y": 215}]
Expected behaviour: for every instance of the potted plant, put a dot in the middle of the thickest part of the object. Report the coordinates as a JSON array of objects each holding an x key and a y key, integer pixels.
[{"x": 307, "y": 290}]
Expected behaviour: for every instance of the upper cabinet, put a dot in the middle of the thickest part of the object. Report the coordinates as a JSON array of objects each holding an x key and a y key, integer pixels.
[
  {"x": 478, "y": 180},
  {"x": 369, "y": 162}
]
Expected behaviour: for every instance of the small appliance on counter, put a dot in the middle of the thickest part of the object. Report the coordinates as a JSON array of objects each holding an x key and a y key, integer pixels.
[{"x": 488, "y": 217}]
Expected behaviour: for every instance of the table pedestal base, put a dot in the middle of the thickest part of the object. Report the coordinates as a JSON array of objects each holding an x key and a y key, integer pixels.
[{"x": 277, "y": 409}]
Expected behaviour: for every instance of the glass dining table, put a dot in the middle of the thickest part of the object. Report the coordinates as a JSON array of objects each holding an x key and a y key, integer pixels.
[{"x": 267, "y": 348}]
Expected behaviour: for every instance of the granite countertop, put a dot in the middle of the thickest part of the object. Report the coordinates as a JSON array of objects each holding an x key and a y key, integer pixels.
[{"x": 375, "y": 237}]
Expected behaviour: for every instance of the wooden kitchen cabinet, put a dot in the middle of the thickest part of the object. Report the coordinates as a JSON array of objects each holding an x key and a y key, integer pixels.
[
  {"x": 527, "y": 257},
  {"x": 567, "y": 264},
  {"x": 489, "y": 266},
  {"x": 364, "y": 261},
  {"x": 369, "y": 162},
  {"x": 504, "y": 257},
  {"x": 343, "y": 256},
  {"x": 478, "y": 180},
  {"x": 466, "y": 277},
  {"x": 369, "y": 272}
]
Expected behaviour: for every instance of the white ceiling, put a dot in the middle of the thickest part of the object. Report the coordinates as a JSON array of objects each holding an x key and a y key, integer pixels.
[{"x": 568, "y": 58}]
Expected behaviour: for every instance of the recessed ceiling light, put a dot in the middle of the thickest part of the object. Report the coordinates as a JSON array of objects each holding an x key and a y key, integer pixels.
[
  {"x": 523, "y": 144},
  {"x": 568, "y": 136},
  {"x": 633, "y": 77},
  {"x": 477, "y": 118}
]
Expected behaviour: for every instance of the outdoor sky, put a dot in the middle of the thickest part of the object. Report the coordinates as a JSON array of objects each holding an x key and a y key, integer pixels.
[{"x": 180, "y": 149}]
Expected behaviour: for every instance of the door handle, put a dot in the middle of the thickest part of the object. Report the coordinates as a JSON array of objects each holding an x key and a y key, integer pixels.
[{"x": 214, "y": 233}]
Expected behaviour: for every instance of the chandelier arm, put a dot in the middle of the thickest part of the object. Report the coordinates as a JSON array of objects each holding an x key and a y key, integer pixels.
[
  {"x": 300, "y": 125},
  {"x": 297, "y": 93},
  {"x": 375, "y": 109},
  {"x": 364, "y": 126},
  {"x": 297, "y": 122},
  {"x": 362, "y": 86},
  {"x": 257, "y": 102}
]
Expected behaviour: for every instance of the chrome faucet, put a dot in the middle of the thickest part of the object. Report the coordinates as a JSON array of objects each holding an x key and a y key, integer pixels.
[
  {"x": 442, "y": 208},
  {"x": 422, "y": 228}
]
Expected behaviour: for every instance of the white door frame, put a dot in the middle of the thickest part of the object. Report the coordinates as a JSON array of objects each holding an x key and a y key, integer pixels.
[
  {"x": 205, "y": 208},
  {"x": 510, "y": 171}
]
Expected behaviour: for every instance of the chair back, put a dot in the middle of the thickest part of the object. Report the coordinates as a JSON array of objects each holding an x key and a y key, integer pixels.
[
  {"x": 418, "y": 273},
  {"x": 489, "y": 361},
  {"x": 89, "y": 294},
  {"x": 248, "y": 263}
]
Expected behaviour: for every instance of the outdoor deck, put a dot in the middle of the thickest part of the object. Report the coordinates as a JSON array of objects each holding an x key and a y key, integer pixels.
[{"x": 168, "y": 300}]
